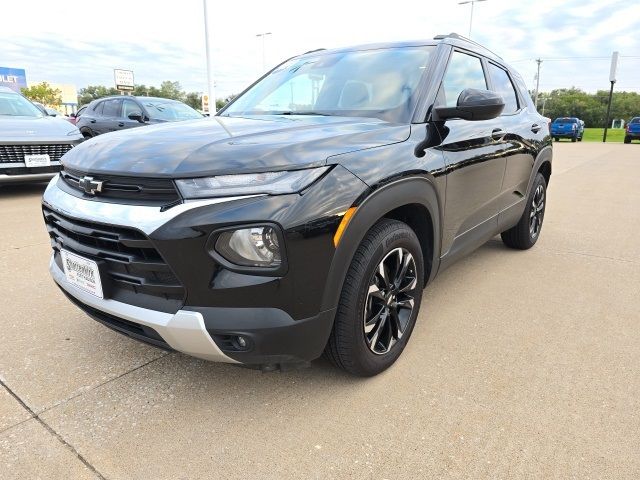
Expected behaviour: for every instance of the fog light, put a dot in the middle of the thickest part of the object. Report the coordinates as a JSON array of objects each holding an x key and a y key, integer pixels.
[
  {"x": 242, "y": 343},
  {"x": 250, "y": 247}
]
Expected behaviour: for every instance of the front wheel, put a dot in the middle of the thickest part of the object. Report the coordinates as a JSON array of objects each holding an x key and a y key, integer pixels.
[
  {"x": 573, "y": 139},
  {"x": 627, "y": 139},
  {"x": 380, "y": 300},
  {"x": 526, "y": 232}
]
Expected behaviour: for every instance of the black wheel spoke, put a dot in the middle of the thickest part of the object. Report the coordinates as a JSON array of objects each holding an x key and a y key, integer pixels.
[{"x": 390, "y": 300}]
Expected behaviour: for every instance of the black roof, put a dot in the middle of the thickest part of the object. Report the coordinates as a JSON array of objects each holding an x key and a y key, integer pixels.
[{"x": 453, "y": 39}]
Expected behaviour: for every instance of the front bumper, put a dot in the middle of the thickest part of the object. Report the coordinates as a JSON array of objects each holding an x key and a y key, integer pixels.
[
  {"x": 183, "y": 331},
  {"x": 283, "y": 319},
  {"x": 565, "y": 134}
]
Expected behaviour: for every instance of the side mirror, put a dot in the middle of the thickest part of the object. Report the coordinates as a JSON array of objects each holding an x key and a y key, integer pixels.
[
  {"x": 473, "y": 104},
  {"x": 136, "y": 116},
  {"x": 73, "y": 115}
]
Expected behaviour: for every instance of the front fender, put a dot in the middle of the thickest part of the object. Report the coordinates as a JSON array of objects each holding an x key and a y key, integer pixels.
[{"x": 419, "y": 190}]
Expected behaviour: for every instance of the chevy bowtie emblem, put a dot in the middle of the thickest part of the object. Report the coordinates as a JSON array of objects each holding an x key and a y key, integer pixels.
[{"x": 89, "y": 185}]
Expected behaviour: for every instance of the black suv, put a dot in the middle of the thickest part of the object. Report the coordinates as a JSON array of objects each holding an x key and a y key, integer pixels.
[
  {"x": 111, "y": 114},
  {"x": 308, "y": 215}
]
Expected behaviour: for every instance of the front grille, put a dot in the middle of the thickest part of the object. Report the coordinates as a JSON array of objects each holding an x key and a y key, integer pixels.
[
  {"x": 16, "y": 153},
  {"x": 132, "y": 190},
  {"x": 135, "y": 271}
]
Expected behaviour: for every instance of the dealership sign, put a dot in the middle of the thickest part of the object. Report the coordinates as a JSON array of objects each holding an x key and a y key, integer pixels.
[
  {"x": 124, "y": 79},
  {"x": 14, "y": 78}
]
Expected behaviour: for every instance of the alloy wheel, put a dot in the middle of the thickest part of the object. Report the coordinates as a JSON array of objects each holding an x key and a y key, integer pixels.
[
  {"x": 390, "y": 300},
  {"x": 537, "y": 212}
]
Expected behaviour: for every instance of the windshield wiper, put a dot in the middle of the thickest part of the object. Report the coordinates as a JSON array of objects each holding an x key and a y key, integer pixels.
[{"x": 304, "y": 113}]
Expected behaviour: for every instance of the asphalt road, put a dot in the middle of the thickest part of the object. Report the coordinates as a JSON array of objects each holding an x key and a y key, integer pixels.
[{"x": 522, "y": 365}]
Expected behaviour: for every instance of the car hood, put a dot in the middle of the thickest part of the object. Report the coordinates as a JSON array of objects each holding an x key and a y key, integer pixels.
[
  {"x": 35, "y": 129},
  {"x": 223, "y": 145}
]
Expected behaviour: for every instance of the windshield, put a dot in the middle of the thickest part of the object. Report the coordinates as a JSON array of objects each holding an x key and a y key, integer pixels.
[
  {"x": 370, "y": 83},
  {"x": 171, "y": 111},
  {"x": 635, "y": 120},
  {"x": 565, "y": 120},
  {"x": 15, "y": 105}
]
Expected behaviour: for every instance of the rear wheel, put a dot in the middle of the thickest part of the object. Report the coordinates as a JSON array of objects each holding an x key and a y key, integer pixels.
[
  {"x": 525, "y": 233},
  {"x": 380, "y": 300},
  {"x": 556, "y": 139},
  {"x": 627, "y": 139},
  {"x": 573, "y": 139}
]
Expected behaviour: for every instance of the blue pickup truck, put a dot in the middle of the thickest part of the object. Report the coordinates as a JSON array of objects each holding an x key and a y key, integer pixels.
[
  {"x": 632, "y": 132},
  {"x": 567, "y": 127}
]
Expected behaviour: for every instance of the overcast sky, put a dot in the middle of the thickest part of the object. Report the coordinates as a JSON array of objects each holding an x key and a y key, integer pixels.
[{"x": 80, "y": 42}]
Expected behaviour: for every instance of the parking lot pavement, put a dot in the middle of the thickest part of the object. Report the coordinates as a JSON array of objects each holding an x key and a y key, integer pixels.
[{"x": 522, "y": 364}]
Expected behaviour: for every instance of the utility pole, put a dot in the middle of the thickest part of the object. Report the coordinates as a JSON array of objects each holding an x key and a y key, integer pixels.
[
  {"x": 211, "y": 89},
  {"x": 263, "y": 35},
  {"x": 472, "y": 2},
  {"x": 538, "y": 61},
  {"x": 612, "y": 79}
]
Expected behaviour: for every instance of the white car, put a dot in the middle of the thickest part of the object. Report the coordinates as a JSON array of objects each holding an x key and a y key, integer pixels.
[{"x": 31, "y": 143}]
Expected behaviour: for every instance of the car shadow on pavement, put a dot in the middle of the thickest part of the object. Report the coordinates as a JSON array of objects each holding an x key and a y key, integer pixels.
[{"x": 22, "y": 190}]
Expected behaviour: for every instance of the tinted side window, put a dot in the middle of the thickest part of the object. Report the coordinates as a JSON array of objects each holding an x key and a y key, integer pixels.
[
  {"x": 464, "y": 71},
  {"x": 502, "y": 85},
  {"x": 97, "y": 108},
  {"x": 111, "y": 108},
  {"x": 129, "y": 107}
]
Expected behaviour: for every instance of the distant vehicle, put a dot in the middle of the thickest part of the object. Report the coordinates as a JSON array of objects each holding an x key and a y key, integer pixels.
[
  {"x": 111, "y": 114},
  {"x": 51, "y": 112},
  {"x": 73, "y": 118},
  {"x": 632, "y": 130},
  {"x": 567, "y": 127},
  {"x": 31, "y": 143}
]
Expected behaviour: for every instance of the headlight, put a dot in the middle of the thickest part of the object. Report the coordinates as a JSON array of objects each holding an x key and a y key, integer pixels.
[
  {"x": 250, "y": 247},
  {"x": 247, "y": 184}
]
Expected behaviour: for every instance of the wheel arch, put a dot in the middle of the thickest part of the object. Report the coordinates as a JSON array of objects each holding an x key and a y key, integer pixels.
[
  {"x": 406, "y": 199},
  {"x": 542, "y": 164}
]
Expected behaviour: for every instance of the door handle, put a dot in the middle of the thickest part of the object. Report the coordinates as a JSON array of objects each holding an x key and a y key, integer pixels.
[
  {"x": 535, "y": 128},
  {"x": 93, "y": 121},
  {"x": 498, "y": 133},
  {"x": 121, "y": 124}
]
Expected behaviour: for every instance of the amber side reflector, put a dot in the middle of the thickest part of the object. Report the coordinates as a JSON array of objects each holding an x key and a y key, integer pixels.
[{"x": 346, "y": 218}]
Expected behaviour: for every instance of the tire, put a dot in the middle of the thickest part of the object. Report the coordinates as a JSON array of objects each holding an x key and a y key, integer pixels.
[
  {"x": 627, "y": 139},
  {"x": 579, "y": 139},
  {"x": 574, "y": 139},
  {"x": 355, "y": 346},
  {"x": 556, "y": 139},
  {"x": 525, "y": 233}
]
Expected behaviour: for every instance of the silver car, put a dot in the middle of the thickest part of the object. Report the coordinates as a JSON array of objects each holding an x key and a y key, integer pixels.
[{"x": 31, "y": 143}]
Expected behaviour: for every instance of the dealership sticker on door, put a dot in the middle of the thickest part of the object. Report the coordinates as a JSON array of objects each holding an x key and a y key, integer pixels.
[
  {"x": 82, "y": 273},
  {"x": 42, "y": 160}
]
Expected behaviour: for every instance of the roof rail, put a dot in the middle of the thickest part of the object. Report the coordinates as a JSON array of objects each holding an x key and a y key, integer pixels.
[
  {"x": 457, "y": 36},
  {"x": 316, "y": 50}
]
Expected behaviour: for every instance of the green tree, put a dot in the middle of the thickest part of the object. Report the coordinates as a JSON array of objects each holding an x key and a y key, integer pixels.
[
  {"x": 171, "y": 90},
  {"x": 194, "y": 100},
  {"x": 590, "y": 107},
  {"x": 93, "y": 92},
  {"x": 44, "y": 93},
  {"x": 221, "y": 102}
]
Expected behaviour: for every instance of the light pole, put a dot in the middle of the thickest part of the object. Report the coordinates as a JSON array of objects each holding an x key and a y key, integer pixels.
[
  {"x": 612, "y": 79},
  {"x": 472, "y": 2},
  {"x": 538, "y": 61},
  {"x": 263, "y": 35},
  {"x": 211, "y": 89}
]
